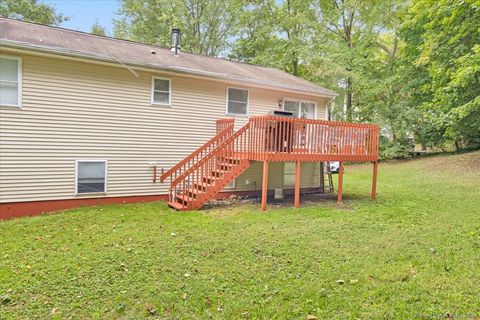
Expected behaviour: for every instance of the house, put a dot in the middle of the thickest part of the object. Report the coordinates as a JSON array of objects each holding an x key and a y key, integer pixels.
[{"x": 86, "y": 119}]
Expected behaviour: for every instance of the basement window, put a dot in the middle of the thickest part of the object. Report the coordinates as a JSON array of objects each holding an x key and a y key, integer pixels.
[
  {"x": 91, "y": 176},
  {"x": 237, "y": 101},
  {"x": 161, "y": 91},
  {"x": 10, "y": 81}
]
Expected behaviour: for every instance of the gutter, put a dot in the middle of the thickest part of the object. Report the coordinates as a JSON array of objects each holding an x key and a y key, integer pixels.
[{"x": 186, "y": 71}]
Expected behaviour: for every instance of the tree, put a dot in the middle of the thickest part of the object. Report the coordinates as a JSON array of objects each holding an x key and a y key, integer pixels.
[
  {"x": 207, "y": 25},
  {"x": 98, "y": 29},
  {"x": 443, "y": 49},
  {"x": 275, "y": 33},
  {"x": 32, "y": 11},
  {"x": 347, "y": 35}
]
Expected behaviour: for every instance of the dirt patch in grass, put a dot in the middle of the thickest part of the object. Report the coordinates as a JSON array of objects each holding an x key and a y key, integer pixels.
[
  {"x": 458, "y": 163},
  {"x": 229, "y": 208}
]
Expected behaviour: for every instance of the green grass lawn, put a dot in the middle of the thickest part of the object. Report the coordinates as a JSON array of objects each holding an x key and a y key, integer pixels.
[{"x": 414, "y": 253}]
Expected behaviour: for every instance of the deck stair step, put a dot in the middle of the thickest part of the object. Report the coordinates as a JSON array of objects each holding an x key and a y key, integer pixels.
[
  {"x": 202, "y": 186},
  {"x": 177, "y": 206},
  {"x": 194, "y": 192}
]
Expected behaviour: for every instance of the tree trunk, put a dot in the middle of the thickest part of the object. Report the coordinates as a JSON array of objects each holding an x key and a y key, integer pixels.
[
  {"x": 295, "y": 67},
  {"x": 349, "y": 99}
]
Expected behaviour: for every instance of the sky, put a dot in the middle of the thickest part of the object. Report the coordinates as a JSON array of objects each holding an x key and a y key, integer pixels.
[{"x": 84, "y": 13}]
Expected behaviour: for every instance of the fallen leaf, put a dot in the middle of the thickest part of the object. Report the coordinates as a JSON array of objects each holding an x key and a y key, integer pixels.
[
  {"x": 151, "y": 309},
  {"x": 311, "y": 317},
  {"x": 207, "y": 301},
  {"x": 340, "y": 281}
]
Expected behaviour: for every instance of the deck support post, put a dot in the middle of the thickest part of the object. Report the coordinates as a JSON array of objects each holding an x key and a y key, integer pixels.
[
  {"x": 265, "y": 185},
  {"x": 340, "y": 184},
  {"x": 297, "y": 185},
  {"x": 374, "y": 180}
]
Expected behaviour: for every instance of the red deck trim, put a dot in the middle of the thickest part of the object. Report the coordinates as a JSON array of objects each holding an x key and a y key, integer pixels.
[{"x": 33, "y": 208}]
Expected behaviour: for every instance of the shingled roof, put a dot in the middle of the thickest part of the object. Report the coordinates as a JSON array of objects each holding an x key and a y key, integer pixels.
[{"x": 30, "y": 36}]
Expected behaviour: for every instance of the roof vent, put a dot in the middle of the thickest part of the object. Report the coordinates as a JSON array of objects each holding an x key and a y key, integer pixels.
[{"x": 175, "y": 41}]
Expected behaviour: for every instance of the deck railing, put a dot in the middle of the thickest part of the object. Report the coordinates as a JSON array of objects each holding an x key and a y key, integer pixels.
[
  {"x": 274, "y": 138},
  {"x": 223, "y": 124}
]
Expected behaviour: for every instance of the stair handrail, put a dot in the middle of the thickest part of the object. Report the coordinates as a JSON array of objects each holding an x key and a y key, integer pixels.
[
  {"x": 231, "y": 148},
  {"x": 217, "y": 139},
  {"x": 197, "y": 164}
]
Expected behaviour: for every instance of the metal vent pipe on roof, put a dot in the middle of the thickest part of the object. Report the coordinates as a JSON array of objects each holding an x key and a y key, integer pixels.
[{"x": 175, "y": 41}]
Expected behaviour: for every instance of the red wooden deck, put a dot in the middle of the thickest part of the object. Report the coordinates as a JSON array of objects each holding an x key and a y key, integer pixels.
[{"x": 205, "y": 172}]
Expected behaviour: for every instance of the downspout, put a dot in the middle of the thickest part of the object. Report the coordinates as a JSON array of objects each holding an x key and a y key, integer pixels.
[{"x": 328, "y": 108}]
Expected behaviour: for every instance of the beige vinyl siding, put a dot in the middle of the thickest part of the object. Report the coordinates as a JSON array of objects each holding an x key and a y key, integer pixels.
[
  {"x": 78, "y": 111},
  {"x": 309, "y": 176}
]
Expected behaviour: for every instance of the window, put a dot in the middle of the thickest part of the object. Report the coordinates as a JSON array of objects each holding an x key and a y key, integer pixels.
[
  {"x": 300, "y": 108},
  {"x": 237, "y": 101},
  {"x": 10, "y": 81},
  {"x": 289, "y": 169},
  {"x": 91, "y": 176},
  {"x": 161, "y": 91}
]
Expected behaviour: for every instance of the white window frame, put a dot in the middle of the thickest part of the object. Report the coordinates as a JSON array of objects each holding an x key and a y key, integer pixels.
[
  {"x": 283, "y": 176},
  {"x": 300, "y": 105},
  {"x": 20, "y": 82},
  {"x": 76, "y": 178},
  {"x": 152, "y": 98},
  {"x": 248, "y": 102}
]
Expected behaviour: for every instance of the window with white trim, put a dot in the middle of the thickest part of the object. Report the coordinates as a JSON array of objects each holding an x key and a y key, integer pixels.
[
  {"x": 300, "y": 108},
  {"x": 289, "y": 171},
  {"x": 161, "y": 91},
  {"x": 10, "y": 81},
  {"x": 237, "y": 101},
  {"x": 91, "y": 176}
]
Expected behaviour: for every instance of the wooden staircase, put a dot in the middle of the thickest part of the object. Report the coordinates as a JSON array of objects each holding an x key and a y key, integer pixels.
[
  {"x": 203, "y": 174},
  {"x": 195, "y": 194}
]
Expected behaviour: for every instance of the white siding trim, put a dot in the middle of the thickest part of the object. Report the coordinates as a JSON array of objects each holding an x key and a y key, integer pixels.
[
  {"x": 300, "y": 105},
  {"x": 76, "y": 178},
  {"x": 226, "y": 102},
  {"x": 152, "y": 101},
  {"x": 19, "y": 60}
]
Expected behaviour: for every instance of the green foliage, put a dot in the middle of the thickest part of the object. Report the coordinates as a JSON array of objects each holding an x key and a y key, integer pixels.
[
  {"x": 443, "y": 49},
  {"x": 412, "y": 254},
  {"x": 394, "y": 148},
  {"x": 276, "y": 34},
  {"x": 98, "y": 29},
  {"x": 32, "y": 11},
  {"x": 206, "y": 25}
]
